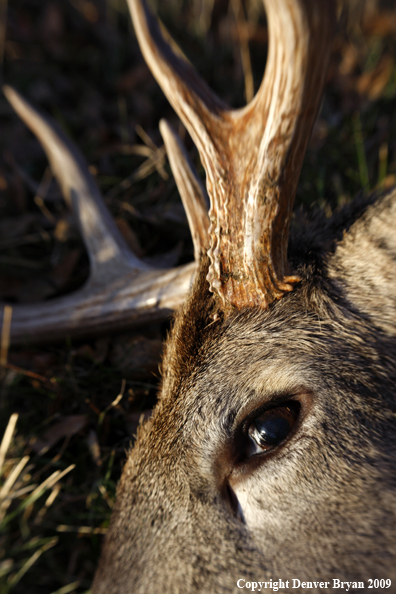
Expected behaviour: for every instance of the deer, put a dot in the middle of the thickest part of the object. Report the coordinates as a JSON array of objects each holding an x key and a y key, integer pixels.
[{"x": 269, "y": 459}]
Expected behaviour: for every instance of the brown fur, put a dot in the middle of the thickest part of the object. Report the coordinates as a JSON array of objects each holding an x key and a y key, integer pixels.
[{"x": 321, "y": 506}]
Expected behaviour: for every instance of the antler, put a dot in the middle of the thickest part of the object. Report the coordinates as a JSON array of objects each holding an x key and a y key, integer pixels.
[
  {"x": 192, "y": 192},
  {"x": 252, "y": 156},
  {"x": 121, "y": 289}
]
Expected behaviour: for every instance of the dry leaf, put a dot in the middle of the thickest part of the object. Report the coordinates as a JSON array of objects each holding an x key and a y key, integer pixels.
[
  {"x": 67, "y": 427},
  {"x": 94, "y": 448},
  {"x": 96, "y": 353},
  {"x": 136, "y": 356},
  {"x": 372, "y": 84}
]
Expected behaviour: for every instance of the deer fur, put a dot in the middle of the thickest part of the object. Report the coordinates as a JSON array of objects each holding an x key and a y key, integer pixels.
[{"x": 322, "y": 507}]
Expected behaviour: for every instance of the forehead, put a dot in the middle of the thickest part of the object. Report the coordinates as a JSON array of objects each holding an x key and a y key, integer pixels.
[
  {"x": 266, "y": 341},
  {"x": 254, "y": 359},
  {"x": 251, "y": 353},
  {"x": 265, "y": 354}
]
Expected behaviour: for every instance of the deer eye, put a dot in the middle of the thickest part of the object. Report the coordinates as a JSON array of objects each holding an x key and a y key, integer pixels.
[{"x": 271, "y": 428}]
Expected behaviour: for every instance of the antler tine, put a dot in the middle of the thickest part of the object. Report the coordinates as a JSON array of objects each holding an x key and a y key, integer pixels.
[
  {"x": 252, "y": 156},
  {"x": 199, "y": 108},
  {"x": 122, "y": 291},
  {"x": 103, "y": 241},
  {"x": 192, "y": 192}
]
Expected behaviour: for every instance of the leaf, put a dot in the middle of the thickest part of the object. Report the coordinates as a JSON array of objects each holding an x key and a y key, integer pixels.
[{"x": 67, "y": 427}]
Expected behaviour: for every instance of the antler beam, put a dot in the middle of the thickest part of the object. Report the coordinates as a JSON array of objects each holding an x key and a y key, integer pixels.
[
  {"x": 251, "y": 191},
  {"x": 121, "y": 290}
]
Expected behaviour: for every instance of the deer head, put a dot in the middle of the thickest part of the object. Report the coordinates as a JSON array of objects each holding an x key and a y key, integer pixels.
[{"x": 270, "y": 454}]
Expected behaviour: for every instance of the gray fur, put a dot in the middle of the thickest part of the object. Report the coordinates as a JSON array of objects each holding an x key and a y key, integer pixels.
[{"x": 323, "y": 505}]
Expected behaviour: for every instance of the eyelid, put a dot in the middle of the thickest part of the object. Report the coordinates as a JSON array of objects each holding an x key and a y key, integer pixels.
[{"x": 273, "y": 404}]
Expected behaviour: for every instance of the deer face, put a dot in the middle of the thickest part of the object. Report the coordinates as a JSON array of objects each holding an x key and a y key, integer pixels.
[
  {"x": 270, "y": 451},
  {"x": 209, "y": 501}
]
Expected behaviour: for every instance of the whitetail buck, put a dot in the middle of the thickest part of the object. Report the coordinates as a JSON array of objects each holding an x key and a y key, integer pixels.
[{"x": 271, "y": 453}]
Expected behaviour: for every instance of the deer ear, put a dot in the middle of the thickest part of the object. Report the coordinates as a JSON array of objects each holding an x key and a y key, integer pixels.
[{"x": 363, "y": 266}]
